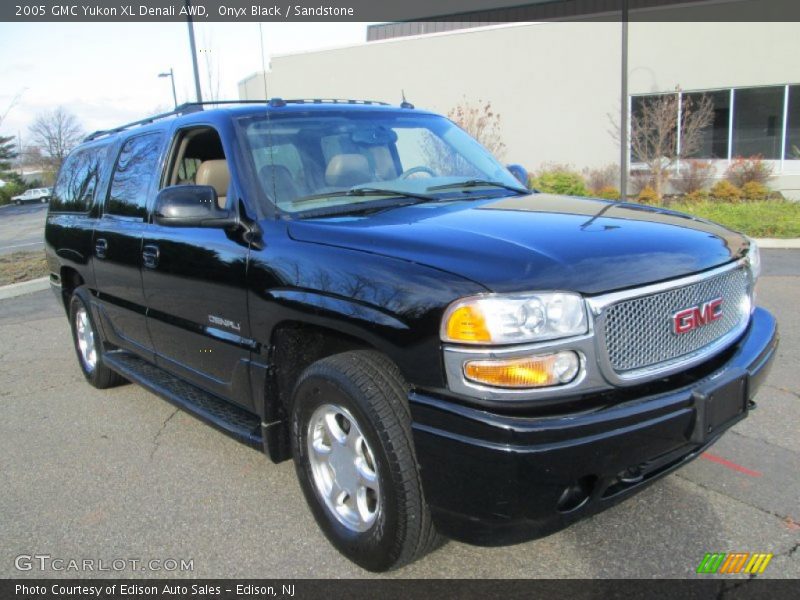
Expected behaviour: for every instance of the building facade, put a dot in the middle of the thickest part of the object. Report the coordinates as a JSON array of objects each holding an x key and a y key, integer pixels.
[{"x": 556, "y": 85}]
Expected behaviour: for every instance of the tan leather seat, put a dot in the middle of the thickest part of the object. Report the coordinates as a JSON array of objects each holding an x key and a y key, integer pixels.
[
  {"x": 347, "y": 170},
  {"x": 216, "y": 174}
]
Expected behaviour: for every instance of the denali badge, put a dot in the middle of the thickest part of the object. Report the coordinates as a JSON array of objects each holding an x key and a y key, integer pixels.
[
  {"x": 689, "y": 319},
  {"x": 224, "y": 322}
]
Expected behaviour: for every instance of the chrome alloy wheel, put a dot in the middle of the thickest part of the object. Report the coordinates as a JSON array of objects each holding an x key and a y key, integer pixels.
[
  {"x": 343, "y": 466},
  {"x": 86, "y": 343}
]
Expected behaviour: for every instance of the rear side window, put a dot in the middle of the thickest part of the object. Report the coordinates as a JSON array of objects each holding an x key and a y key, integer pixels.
[
  {"x": 77, "y": 181},
  {"x": 135, "y": 170}
]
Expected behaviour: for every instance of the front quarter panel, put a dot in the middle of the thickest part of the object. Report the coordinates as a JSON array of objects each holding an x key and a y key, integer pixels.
[{"x": 391, "y": 304}]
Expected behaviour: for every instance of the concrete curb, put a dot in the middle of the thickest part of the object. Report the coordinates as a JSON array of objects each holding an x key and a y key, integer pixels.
[
  {"x": 24, "y": 287},
  {"x": 777, "y": 243}
]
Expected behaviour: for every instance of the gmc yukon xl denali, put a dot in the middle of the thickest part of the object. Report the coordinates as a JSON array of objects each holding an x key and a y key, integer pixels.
[{"x": 366, "y": 290}]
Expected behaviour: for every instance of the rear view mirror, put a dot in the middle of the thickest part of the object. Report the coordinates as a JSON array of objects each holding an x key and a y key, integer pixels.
[
  {"x": 520, "y": 173},
  {"x": 191, "y": 206}
]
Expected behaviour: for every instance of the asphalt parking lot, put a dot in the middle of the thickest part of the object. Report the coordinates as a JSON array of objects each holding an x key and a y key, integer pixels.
[
  {"x": 21, "y": 227},
  {"x": 123, "y": 474}
]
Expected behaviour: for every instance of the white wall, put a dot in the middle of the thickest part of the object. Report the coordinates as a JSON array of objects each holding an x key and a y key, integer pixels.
[{"x": 552, "y": 97}]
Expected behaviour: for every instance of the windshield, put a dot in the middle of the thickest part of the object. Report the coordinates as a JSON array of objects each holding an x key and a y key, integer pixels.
[{"x": 324, "y": 161}]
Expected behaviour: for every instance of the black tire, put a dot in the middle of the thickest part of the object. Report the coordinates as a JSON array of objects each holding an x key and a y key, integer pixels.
[
  {"x": 100, "y": 376},
  {"x": 371, "y": 389},
  {"x": 18, "y": 202}
]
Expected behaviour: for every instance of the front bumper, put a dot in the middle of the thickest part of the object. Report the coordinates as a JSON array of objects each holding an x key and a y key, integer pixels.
[{"x": 494, "y": 479}]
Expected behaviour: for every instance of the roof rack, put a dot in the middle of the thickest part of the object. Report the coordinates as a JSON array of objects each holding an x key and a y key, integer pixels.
[
  {"x": 275, "y": 102},
  {"x": 191, "y": 107}
]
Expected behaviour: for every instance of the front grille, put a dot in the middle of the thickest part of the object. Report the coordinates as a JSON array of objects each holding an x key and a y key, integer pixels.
[{"x": 638, "y": 332}]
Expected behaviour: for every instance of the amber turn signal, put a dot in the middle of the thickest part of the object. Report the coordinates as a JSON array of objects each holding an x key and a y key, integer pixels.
[{"x": 527, "y": 372}]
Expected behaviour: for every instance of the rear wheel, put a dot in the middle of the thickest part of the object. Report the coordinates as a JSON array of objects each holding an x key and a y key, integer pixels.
[
  {"x": 354, "y": 455},
  {"x": 88, "y": 343}
]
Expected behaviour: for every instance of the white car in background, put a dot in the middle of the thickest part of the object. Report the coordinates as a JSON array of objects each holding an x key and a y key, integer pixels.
[{"x": 34, "y": 195}]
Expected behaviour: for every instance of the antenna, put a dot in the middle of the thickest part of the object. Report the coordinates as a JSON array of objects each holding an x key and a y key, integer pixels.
[{"x": 405, "y": 103}]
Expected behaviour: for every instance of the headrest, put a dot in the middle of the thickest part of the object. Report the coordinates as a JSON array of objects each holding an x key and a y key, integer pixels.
[
  {"x": 347, "y": 170},
  {"x": 216, "y": 174}
]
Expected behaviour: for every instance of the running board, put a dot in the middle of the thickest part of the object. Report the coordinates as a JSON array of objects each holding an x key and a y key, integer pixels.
[{"x": 240, "y": 424}]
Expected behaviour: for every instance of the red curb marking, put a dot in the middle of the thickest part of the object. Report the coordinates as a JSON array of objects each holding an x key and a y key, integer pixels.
[{"x": 731, "y": 465}]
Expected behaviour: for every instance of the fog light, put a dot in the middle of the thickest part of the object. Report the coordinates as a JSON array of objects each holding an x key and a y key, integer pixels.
[{"x": 541, "y": 370}]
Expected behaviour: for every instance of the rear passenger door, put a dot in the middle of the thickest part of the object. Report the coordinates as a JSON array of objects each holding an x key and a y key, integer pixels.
[{"x": 118, "y": 240}]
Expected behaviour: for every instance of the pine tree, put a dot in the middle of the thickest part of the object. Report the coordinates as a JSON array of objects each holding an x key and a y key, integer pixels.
[{"x": 7, "y": 152}]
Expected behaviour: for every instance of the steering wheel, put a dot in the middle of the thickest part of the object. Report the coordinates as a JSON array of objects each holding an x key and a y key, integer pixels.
[{"x": 414, "y": 170}]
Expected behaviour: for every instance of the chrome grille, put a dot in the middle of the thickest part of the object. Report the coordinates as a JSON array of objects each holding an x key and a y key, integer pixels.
[{"x": 638, "y": 332}]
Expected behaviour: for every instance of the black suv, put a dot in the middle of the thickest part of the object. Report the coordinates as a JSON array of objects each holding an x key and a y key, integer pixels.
[{"x": 365, "y": 289}]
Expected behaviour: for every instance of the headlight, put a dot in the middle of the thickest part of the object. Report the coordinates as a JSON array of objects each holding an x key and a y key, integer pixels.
[
  {"x": 754, "y": 259},
  {"x": 514, "y": 318}
]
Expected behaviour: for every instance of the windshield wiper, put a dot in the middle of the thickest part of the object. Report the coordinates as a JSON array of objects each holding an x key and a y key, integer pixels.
[
  {"x": 367, "y": 191},
  {"x": 478, "y": 183}
]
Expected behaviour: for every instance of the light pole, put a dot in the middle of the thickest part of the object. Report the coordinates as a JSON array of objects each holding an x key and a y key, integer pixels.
[
  {"x": 624, "y": 116},
  {"x": 171, "y": 76},
  {"x": 190, "y": 25}
]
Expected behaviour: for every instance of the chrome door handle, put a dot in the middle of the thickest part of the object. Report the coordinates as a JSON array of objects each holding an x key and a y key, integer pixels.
[
  {"x": 150, "y": 254},
  {"x": 100, "y": 247}
]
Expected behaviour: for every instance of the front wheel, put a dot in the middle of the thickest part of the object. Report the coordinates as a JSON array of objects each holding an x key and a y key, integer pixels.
[
  {"x": 44, "y": 200},
  {"x": 354, "y": 455}
]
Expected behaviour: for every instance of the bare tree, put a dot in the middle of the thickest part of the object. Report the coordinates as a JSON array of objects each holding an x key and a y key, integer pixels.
[
  {"x": 56, "y": 133},
  {"x": 14, "y": 101},
  {"x": 655, "y": 130},
  {"x": 481, "y": 122}
]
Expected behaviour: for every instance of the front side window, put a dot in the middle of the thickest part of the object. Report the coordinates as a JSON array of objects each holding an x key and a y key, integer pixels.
[
  {"x": 328, "y": 160},
  {"x": 136, "y": 167},
  {"x": 77, "y": 181}
]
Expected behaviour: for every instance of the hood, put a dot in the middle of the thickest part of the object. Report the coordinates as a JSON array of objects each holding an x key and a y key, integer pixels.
[{"x": 537, "y": 242}]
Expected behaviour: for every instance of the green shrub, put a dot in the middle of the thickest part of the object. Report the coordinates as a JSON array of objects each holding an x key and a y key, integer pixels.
[
  {"x": 559, "y": 179},
  {"x": 696, "y": 196},
  {"x": 744, "y": 170},
  {"x": 753, "y": 191},
  {"x": 725, "y": 191},
  {"x": 8, "y": 190},
  {"x": 647, "y": 196},
  {"x": 609, "y": 192}
]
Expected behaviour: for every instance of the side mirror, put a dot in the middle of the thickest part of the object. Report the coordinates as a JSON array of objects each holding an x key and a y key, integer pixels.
[
  {"x": 520, "y": 173},
  {"x": 191, "y": 206}
]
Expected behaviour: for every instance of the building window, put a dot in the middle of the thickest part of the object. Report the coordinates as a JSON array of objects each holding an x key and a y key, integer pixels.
[
  {"x": 755, "y": 128},
  {"x": 793, "y": 124},
  {"x": 758, "y": 122},
  {"x": 714, "y": 139},
  {"x": 648, "y": 113}
]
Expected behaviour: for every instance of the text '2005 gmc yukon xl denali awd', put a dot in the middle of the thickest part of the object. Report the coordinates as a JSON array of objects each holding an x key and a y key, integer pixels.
[{"x": 366, "y": 290}]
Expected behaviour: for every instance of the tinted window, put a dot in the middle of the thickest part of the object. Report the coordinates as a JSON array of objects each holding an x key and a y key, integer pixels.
[
  {"x": 758, "y": 122},
  {"x": 793, "y": 124},
  {"x": 77, "y": 180},
  {"x": 133, "y": 174}
]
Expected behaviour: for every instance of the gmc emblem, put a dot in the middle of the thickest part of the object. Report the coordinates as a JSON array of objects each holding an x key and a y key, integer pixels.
[{"x": 689, "y": 319}]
